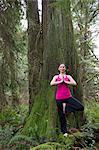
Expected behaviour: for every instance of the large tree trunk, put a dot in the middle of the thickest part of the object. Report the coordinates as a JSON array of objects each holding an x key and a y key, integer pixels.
[
  {"x": 33, "y": 52},
  {"x": 72, "y": 60},
  {"x": 58, "y": 47},
  {"x": 70, "y": 53},
  {"x": 52, "y": 54}
]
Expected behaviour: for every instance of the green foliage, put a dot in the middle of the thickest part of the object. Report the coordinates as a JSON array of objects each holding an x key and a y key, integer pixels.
[
  {"x": 92, "y": 113},
  {"x": 92, "y": 122},
  {"x": 5, "y": 135},
  {"x": 13, "y": 50},
  {"x": 49, "y": 146},
  {"x": 38, "y": 137},
  {"x": 11, "y": 121},
  {"x": 9, "y": 116},
  {"x": 20, "y": 142},
  {"x": 13, "y": 116},
  {"x": 66, "y": 141},
  {"x": 63, "y": 143},
  {"x": 84, "y": 17}
]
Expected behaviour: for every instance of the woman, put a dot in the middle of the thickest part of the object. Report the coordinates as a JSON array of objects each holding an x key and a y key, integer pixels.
[{"x": 63, "y": 95}]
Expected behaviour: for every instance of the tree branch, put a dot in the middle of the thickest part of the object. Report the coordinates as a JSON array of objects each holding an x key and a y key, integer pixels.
[{"x": 97, "y": 74}]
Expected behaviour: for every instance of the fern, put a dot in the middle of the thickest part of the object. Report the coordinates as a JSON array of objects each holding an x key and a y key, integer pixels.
[{"x": 21, "y": 142}]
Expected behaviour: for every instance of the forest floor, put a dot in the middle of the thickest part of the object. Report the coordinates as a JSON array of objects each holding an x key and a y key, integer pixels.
[{"x": 12, "y": 121}]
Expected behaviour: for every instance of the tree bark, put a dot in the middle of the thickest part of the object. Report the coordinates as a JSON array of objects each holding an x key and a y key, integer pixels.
[
  {"x": 58, "y": 47},
  {"x": 3, "y": 101},
  {"x": 33, "y": 52}
]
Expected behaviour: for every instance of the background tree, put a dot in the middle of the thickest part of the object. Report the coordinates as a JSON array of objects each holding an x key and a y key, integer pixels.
[
  {"x": 8, "y": 28},
  {"x": 12, "y": 51},
  {"x": 85, "y": 14}
]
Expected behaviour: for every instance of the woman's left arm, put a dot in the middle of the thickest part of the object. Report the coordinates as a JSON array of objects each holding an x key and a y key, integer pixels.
[{"x": 71, "y": 81}]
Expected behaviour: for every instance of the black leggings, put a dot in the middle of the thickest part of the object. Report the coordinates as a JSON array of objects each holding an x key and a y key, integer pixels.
[{"x": 72, "y": 105}]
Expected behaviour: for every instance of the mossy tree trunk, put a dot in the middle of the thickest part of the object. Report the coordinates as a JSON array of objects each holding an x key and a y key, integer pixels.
[
  {"x": 58, "y": 47},
  {"x": 59, "y": 44},
  {"x": 72, "y": 60},
  {"x": 42, "y": 120}
]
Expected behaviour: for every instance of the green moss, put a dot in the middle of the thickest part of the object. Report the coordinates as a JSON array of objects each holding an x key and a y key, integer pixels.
[
  {"x": 49, "y": 146},
  {"x": 79, "y": 135},
  {"x": 42, "y": 120},
  {"x": 35, "y": 122}
]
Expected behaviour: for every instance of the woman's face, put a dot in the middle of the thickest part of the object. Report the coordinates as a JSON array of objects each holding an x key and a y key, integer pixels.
[{"x": 62, "y": 68}]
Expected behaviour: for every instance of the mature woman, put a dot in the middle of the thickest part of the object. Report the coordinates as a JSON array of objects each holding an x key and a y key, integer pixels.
[{"x": 63, "y": 95}]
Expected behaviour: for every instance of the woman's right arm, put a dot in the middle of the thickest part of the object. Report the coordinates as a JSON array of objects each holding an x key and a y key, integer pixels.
[{"x": 54, "y": 82}]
